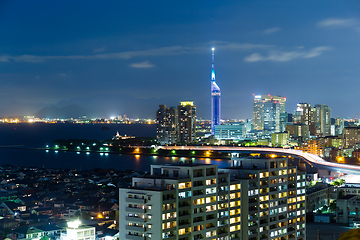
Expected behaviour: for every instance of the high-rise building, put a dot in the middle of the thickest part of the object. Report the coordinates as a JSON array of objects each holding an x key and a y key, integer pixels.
[
  {"x": 256, "y": 198},
  {"x": 186, "y": 122},
  {"x": 285, "y": 119},
  {"x": 299, "y": 131},
  {"x": 166, "y": 125},
  {"x": 273, "y": 204},
  {"x": 302, "y": 114},
  {"x": 351, "y": 136},
  {"x": 271, "y": 116},
  {"x": 322, "y": 119},
  {"x": 339, "y": 126},
  {"x": 305, "y": 115},
  {"x": 266, "y": 112},
  {"x": 215, "y": 98}
]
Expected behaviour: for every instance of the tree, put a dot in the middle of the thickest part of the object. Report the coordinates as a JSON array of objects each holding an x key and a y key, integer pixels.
[
  {"x": 325, "y": 208},
  {"x": 338, "y": 182},
  {"x": 333, "y": 206}
]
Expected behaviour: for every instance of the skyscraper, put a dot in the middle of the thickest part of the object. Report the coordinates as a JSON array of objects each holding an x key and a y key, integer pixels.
[
  {"x": 215, "y": 98},
  {"x": 187, "y": 122},
  {"x": 266, "y": 112},
  {"x": 271, "y": 116},
  {"x": 305, "y": 115},
  {"x": 166, "y": 125},
  {"x": 323, "y": 119}
]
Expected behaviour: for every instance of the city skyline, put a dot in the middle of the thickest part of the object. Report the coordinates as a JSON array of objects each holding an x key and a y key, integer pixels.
[{"x": 123, "y": 57}]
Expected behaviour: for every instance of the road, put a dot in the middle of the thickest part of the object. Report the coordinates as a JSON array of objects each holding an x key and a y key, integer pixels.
[{"x": 312, "y": 159}]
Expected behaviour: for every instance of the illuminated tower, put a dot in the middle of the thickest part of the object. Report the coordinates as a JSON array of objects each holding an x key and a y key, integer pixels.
[{"x": 215, "y": 98}]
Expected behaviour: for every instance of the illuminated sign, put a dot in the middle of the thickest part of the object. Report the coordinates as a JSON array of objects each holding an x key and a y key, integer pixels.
[
  {"x": 187, "y": 103},
  {"x": 257, "y": 96}
]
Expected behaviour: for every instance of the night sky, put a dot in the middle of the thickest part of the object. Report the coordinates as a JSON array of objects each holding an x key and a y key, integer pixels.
[{"x": 127, "y": 57}]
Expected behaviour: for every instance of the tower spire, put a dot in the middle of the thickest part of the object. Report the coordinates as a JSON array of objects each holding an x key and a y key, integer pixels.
[
  {"x": 215, "y": 97},
  {"x": 212, "y": 65}
]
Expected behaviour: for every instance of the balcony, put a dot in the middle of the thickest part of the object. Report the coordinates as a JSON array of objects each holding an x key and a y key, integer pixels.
[
  {"x": 134, "y": 228},
  {"x": 169, "y": 200},
  {"x": 135, "y": 219},
  {"x": 134, "y": 237},
  {"x": 173, "y": 237},
  {"x": 135, "y": 200},
  {"x": 183, "y": 217},
  {"x": 222, "y": 233},
  {"x": 135, "y": 210}
]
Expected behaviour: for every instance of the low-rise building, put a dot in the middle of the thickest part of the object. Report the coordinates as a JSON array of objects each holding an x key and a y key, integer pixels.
[
  {"x": 280, "y": 139},
  {"x": 348, "y": 208},
  {"x": 317, "y": 196},
  {"x": 77, "y": 231},
  {"x": 230, "y": 131},
  {"x": 315, "y": 146}
]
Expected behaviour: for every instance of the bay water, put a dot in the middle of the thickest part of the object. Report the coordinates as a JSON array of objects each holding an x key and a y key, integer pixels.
[{"x": 18, "y": 143}]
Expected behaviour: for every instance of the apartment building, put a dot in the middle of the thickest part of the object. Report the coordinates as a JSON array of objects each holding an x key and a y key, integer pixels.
[
  {"x": 273, "y": 203},
  {"x": 255, "y": 198}
]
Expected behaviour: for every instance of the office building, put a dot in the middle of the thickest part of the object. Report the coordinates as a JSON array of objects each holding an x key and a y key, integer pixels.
[
  {"x": 305, "y": 115},
  {"x": 302, "y": 114},
  {"x": 166, "y": 125},
  {"x": 215, "y": 99},
  {"x": 339, "y": 126},
  {"x": 231, "y": 131},
  {"x": 271, "y": 116},
  {"x": 285, "y": 119},
  {"x": 299, "y": 131},
  {"x": 186, "y": 122},
  {"x": 256, "y": 198},
  {"x": 266, "y": 112},
  {"x": 322, "y": 119}
]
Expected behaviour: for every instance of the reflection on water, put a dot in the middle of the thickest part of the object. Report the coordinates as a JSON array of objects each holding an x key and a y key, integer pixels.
[{"x": 84, "y": 160}]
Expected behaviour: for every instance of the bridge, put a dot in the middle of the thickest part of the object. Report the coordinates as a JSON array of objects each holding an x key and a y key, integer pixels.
[{"x": 311, "y": 159}]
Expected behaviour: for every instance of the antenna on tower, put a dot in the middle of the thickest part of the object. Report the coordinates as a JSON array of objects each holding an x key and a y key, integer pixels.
[{"x": 212, "y": 65}]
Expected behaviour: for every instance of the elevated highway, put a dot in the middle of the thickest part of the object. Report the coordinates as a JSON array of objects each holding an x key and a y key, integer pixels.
[{"x": 311, "y": 159}]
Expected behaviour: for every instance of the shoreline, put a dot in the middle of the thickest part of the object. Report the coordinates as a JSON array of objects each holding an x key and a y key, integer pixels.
[{"x": 131, "y": 151}]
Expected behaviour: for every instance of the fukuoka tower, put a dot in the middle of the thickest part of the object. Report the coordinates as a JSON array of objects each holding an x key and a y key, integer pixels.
[{"x": 215, "y": 98}]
